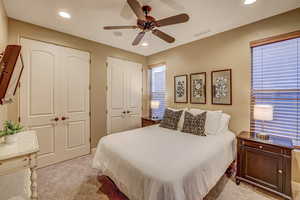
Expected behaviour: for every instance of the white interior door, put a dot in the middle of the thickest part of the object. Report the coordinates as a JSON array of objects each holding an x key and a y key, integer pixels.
[
  {"x": 75, "y": 102},
  {"x": 134, "y": 95},
  {"x": 124, "y": 95},
  {"x": 116, "y": 95},
  {"x": 39, "y": 96},
  {"x": 48, "y": 94}
]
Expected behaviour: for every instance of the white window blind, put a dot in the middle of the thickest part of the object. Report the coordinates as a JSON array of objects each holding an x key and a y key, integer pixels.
[
  {"x": 158, "y": 90},
  {"x": 276, "y": 81}
]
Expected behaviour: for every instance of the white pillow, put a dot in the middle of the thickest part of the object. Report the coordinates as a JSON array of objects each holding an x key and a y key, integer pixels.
[
  {"x": 180, "y": 123},
  {"x": 213, "y": 119},
  {"x": 224, "y": 123}
]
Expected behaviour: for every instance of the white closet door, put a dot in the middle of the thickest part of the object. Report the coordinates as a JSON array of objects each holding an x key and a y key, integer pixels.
[
  {"x": 124, "y": 96},
  {"x": 134, "y": 95},
  {"x": 116, "y": 97},
  {"x": 75, "y": 102},
  {"x": 39, "y": 97},
  {"x": 54, "y": 100}
]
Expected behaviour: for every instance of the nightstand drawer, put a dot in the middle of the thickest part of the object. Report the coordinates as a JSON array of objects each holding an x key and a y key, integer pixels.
[
  {"x": 264, "y": 147},
  {"x": 16, "y": 163}
]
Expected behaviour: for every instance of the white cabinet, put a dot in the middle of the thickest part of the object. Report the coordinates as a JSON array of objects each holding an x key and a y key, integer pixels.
[
  {"x": 14, "y": 159},
  {"x": 54, "y": 99},
  {"x": 124, "y": 95}
]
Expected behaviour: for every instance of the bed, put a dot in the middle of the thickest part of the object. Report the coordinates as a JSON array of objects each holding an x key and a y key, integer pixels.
[{"x": 155, "y": 163}]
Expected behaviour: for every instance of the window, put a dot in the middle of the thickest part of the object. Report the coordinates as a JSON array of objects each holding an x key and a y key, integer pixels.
[
  {"x": 158, "y": 91},
  {"x": 276, "y": 82}
]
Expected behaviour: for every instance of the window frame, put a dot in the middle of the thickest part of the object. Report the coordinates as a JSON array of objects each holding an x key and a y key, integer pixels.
[{"x": 266, "y": 41}]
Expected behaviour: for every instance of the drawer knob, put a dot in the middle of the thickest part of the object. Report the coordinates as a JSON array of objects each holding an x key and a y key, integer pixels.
[
  {"x": 260, "y": 147},
  {"x": 280, "y": 171}
]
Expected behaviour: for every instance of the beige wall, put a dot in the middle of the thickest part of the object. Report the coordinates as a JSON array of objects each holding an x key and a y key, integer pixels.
[
  {"x": 99, "y": 53},
  {"x": 3, "y": 41},
  {"x": 229, "y": 49}
]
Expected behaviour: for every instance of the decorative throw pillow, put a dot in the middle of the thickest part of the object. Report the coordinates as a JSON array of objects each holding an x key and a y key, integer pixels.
[
  {"x": 170, "y": 119},
  {"x": 212, "y": 123},
  {"x": 194, "y": 124}
]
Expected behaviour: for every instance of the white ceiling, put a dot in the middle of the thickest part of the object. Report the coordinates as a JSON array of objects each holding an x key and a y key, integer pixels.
[{"x": 207, "y": 17}]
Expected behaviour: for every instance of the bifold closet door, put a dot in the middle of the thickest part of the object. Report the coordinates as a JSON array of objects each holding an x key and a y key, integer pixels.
[
  {"x": 54, "y": 100},
  {"x": 124, "y": 95}
]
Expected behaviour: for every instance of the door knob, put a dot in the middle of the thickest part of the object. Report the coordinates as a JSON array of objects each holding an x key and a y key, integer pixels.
[
  {"x": 124, "y": 112},
  {"x": 128, "y": 111},
  {"x": 64, "y": 118},
  {"x": 55, "y": 119}
]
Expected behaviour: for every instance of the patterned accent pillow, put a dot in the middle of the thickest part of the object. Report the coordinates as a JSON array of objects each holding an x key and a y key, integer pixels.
[
  {"x": 194, "y": 124},
  {"x": 171, "y": 119}
]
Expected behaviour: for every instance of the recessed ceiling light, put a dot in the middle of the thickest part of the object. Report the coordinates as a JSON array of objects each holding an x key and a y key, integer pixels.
[
  {"x": 145, "y": 44},
  {"x": 64, "y": 15},
  {"x": 248, "y": 2}
]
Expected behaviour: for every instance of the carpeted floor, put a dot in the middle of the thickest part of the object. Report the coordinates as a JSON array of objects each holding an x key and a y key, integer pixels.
[{"x": 76, "y": 180}]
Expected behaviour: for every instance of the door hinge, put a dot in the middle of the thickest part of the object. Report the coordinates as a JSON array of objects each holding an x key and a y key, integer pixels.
[
  {"x": 90, "y": 114},
  {"x": 106, "y": 111},
  {"x": 90, "y": 87},
  {"x": 106, "y": 87},
  {"x": 90, "y": 61},
  {"x": 90, "y": 140},
  {"x": 106, "y": 63},
  {"x": 19, "y": 119}
]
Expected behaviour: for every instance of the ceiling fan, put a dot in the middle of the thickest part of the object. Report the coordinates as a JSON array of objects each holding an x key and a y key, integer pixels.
[{"x": 147, "y": 23}]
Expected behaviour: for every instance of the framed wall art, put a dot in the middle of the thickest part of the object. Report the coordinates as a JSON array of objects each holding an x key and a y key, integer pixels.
[
  {"x": 198, "y": 88},
  {"x": 221, "y": 87},
  {"x": 180, "y": 89}
]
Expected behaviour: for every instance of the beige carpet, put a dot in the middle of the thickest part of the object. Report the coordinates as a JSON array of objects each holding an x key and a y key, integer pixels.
[{"x": 76, "y": 180}]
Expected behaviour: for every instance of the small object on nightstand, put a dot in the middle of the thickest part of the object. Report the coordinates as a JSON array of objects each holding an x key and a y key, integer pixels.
[
  {"x": 262, "y": 136},
  {"x": 147, "y": 121},
  {"x": 265, "y": 163}
]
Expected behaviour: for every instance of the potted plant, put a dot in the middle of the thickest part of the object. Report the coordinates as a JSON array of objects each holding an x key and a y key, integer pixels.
[{"x": 9, "y": 131}]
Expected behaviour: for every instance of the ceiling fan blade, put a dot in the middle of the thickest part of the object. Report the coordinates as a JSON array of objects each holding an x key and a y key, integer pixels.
[
  {"x": 173, "y": 20},
  {"x": 137, "y": 9},
  {"x": 163, "y": 36},
  {"x": 118, "y": 27},
  {"x": 138, "y": 38}
]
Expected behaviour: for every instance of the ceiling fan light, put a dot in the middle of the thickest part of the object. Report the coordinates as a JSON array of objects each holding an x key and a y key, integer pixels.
[{"x": 248, "y": 2}]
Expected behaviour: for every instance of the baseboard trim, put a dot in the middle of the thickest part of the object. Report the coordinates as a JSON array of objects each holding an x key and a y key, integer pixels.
[{"x": 93, "y": 150}]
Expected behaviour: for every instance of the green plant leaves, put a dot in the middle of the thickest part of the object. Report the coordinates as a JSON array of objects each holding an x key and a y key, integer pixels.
[{"x": 10, "y": 128}]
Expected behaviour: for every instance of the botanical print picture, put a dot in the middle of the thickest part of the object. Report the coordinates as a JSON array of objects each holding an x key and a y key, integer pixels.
[
  {"x": 180, "y": 89},
  {"x": 198, "y": 88},
  {"x": 221, "y": 87}
]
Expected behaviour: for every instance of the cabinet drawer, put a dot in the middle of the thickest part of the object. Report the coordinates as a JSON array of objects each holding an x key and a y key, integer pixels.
[
  {"x": 13, "y": 164},
  {"x": 264, "y": 147}
]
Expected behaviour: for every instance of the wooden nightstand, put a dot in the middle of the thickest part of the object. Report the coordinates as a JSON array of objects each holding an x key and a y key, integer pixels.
[
  {"x": 149, "y": 122},
  {"x": 265, "y": 163}
]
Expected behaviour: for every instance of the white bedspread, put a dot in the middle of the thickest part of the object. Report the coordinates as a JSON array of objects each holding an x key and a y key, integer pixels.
[{"x": 154, "y": 163}]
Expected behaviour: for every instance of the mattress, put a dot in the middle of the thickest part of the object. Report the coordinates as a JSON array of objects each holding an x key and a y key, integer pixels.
[{"x": 155, "y": 163}]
